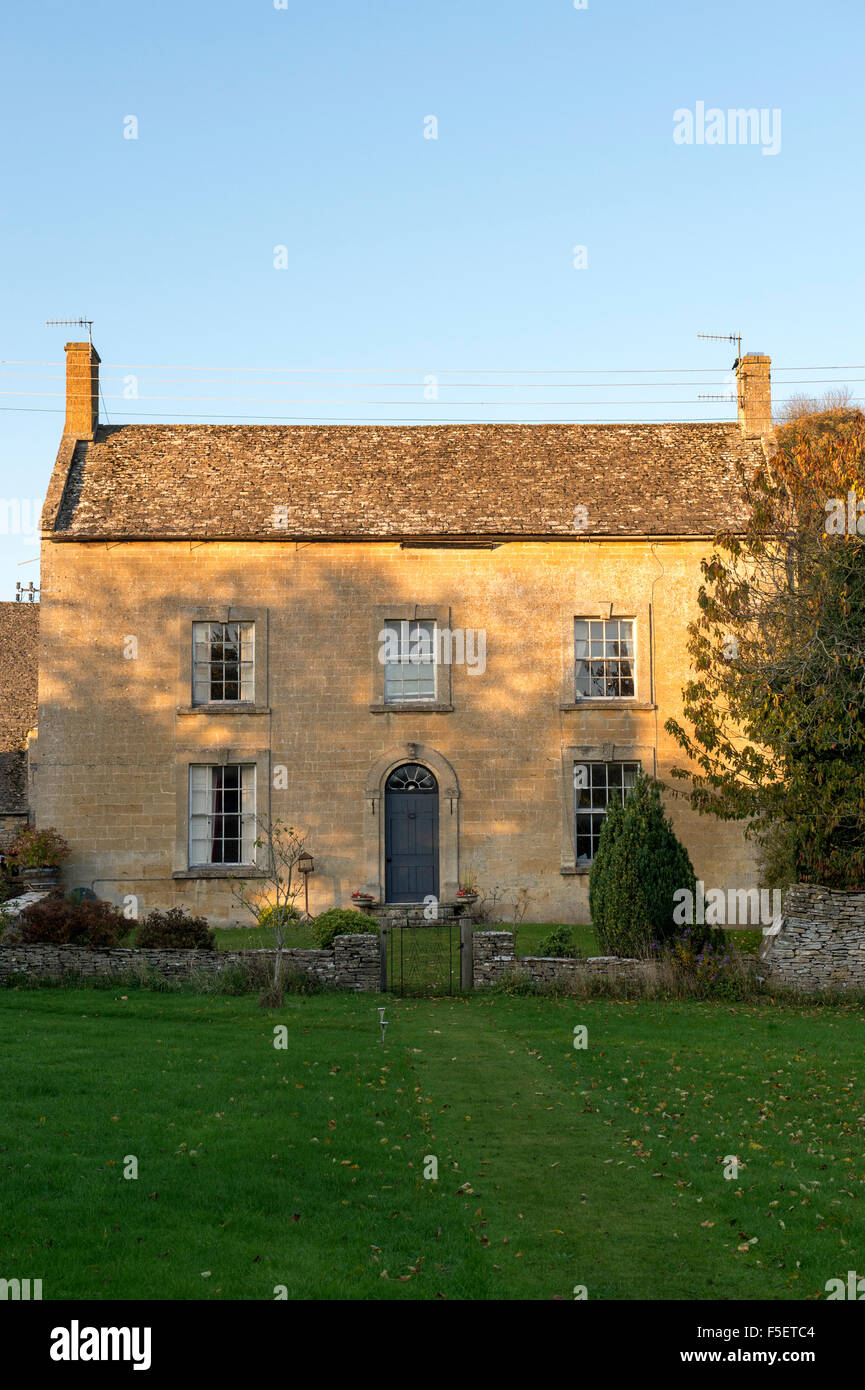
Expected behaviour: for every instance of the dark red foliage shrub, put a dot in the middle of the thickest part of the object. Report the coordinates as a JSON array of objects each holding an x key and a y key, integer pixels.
[{"x": 58, "y": 922}]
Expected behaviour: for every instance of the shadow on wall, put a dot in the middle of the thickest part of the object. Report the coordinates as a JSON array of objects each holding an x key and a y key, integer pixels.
[{"x": 110, "y": 735}]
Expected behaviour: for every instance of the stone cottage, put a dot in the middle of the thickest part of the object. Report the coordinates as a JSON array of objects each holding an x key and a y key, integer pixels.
[
  {"x": 19, "y": 635},
  {"x": 441, "y": 651}
]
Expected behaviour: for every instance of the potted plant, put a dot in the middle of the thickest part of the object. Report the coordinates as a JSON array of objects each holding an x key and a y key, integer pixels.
[
  {"x": 38, "y": 854},
  {"x": 468, "y": 889},
  {"x": 364, "y": 900}
]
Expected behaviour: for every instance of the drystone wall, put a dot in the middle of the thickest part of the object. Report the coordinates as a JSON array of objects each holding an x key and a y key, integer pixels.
[
  {"x": 819, "y": 944},
  {"x": 494, "y": 960},
  {"x": 353, "y": 963}
]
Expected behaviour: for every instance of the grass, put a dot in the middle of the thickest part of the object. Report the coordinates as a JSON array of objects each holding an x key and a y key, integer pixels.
[
  {"x": 303, "y": 1167},
  {"x": 529, "y": 937}
]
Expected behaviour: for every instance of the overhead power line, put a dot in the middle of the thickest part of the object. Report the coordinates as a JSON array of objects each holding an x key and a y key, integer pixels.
[
  {"x": 474, "y": 385},
  {"x": 441, "y": 371},
  {"x": 369, "y": 420},
  {"x": 397, "y": 420},
  {"x": 303, "y": 400}
]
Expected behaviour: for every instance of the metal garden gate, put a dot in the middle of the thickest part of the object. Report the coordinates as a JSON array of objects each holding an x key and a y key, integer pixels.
[{"x": 425, "y": 959}]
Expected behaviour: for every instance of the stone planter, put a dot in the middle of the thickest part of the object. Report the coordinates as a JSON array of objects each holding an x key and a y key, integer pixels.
[{"x": 466, "y": 900}]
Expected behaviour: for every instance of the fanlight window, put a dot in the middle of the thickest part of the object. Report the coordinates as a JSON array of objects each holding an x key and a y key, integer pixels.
[{"x": 411, "y": 777}]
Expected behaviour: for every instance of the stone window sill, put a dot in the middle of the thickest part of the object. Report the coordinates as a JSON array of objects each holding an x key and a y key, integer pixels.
[
  {"x": 220, "y": 871},
  {"x": 413, "y": 707},
  {"x": 575, "y": 870},
  {"x": 226, "y": 707},
  {"x": 613, "y": 704}
]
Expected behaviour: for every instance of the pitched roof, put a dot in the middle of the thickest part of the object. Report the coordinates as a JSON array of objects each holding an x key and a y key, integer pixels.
[
  {"x": 378, "y": 482},
  {"x": 19, "y": 639}
]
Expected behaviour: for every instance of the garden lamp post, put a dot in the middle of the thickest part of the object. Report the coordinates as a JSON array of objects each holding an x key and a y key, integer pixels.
[{"x": 306, "y": 866}]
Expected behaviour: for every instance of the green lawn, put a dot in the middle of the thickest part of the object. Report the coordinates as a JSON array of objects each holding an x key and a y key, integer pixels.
[
  {"x": 304, "y": 1167},
  {"x": 529, "y": 937}
]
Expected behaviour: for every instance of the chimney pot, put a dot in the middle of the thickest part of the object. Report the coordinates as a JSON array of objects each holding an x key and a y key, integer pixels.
[{"x": 82, "y": 390}]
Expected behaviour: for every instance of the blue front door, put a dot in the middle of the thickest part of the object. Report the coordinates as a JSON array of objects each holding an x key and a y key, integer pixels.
[{"x": 411, "y": 816}]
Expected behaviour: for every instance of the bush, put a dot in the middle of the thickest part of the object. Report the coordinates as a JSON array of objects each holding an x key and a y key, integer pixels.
[
  {"x": 289, "y": 915},
  {"x": 518, "y": 982},
  {"x": 10, "y": 883},
  {"x": 57, "y": 921},
  {"x": 290, "y": 981},
  {"x": 34, "y": 848},
  {"x": 638, "y": 867},
  {"x": 778, "y": 857},
  {"x": 338, "y": 921},
  {"x": 560, "y": 942},
  {"x": 175, "y": 931}
]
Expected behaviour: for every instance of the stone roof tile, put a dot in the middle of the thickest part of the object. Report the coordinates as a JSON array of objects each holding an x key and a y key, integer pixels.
[
  {"x": 379, "y": 482},
  {"x": 19, "y": 638}
]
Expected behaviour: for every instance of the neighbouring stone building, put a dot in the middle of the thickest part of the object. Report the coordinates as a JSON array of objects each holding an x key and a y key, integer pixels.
[
  {"x": 19, "y": 635},
  {"x": 438, "y": 650}
]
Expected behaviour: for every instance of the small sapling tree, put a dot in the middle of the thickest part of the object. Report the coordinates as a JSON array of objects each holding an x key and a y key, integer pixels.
[{"x": 271, "y": 899}]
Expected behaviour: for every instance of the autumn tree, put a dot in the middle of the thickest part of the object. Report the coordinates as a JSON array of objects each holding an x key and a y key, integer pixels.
[{"x": 774, "y": 716}]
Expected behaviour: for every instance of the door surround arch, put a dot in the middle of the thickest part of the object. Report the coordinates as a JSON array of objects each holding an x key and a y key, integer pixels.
[{"x": 374, "y": 820}]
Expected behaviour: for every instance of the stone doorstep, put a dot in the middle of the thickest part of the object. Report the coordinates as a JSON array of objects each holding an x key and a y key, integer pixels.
[{"x": 413, "y": 913}]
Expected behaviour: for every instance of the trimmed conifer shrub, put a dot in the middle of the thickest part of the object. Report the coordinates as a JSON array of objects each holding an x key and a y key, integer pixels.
[{"x": 639, "y": 865}]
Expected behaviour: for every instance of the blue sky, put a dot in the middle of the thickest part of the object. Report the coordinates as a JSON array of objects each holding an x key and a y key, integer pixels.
[{"x": 303, "y": 128}]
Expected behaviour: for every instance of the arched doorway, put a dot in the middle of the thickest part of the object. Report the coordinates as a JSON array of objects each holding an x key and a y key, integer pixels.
[{"x": 411, "y": 821}]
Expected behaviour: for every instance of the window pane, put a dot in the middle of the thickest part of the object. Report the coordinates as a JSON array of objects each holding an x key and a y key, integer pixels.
[
  {"x": 606, "y": 781},
  {"x": 410, "y": 671},
  {"x": 599, "y": 646},
  {"x": 222, "y": 814},
  {"x": 223, "y": 663}
]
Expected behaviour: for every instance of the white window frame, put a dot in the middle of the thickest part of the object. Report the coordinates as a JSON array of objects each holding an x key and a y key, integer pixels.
[
  {"x": 610, "y": 637},
  {"x": 596, "y": 810},
  {"x": 204, "y": 788},
  {"x": 203, "y": 666},
  {"x": 411, "y": 658}
]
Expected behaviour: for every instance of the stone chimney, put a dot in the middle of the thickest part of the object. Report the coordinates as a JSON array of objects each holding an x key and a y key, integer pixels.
[
  {"x": 82, "y": 390},
  {"x": 754, "y": 394}
]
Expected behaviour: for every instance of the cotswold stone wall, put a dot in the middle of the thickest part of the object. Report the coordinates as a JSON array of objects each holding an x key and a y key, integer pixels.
[
  {"x": 111, "y": 762},
  {"x": 353, "y": 963},
  {"x": 820, "y": 941},
  {"x": 494, "y": 959}
]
